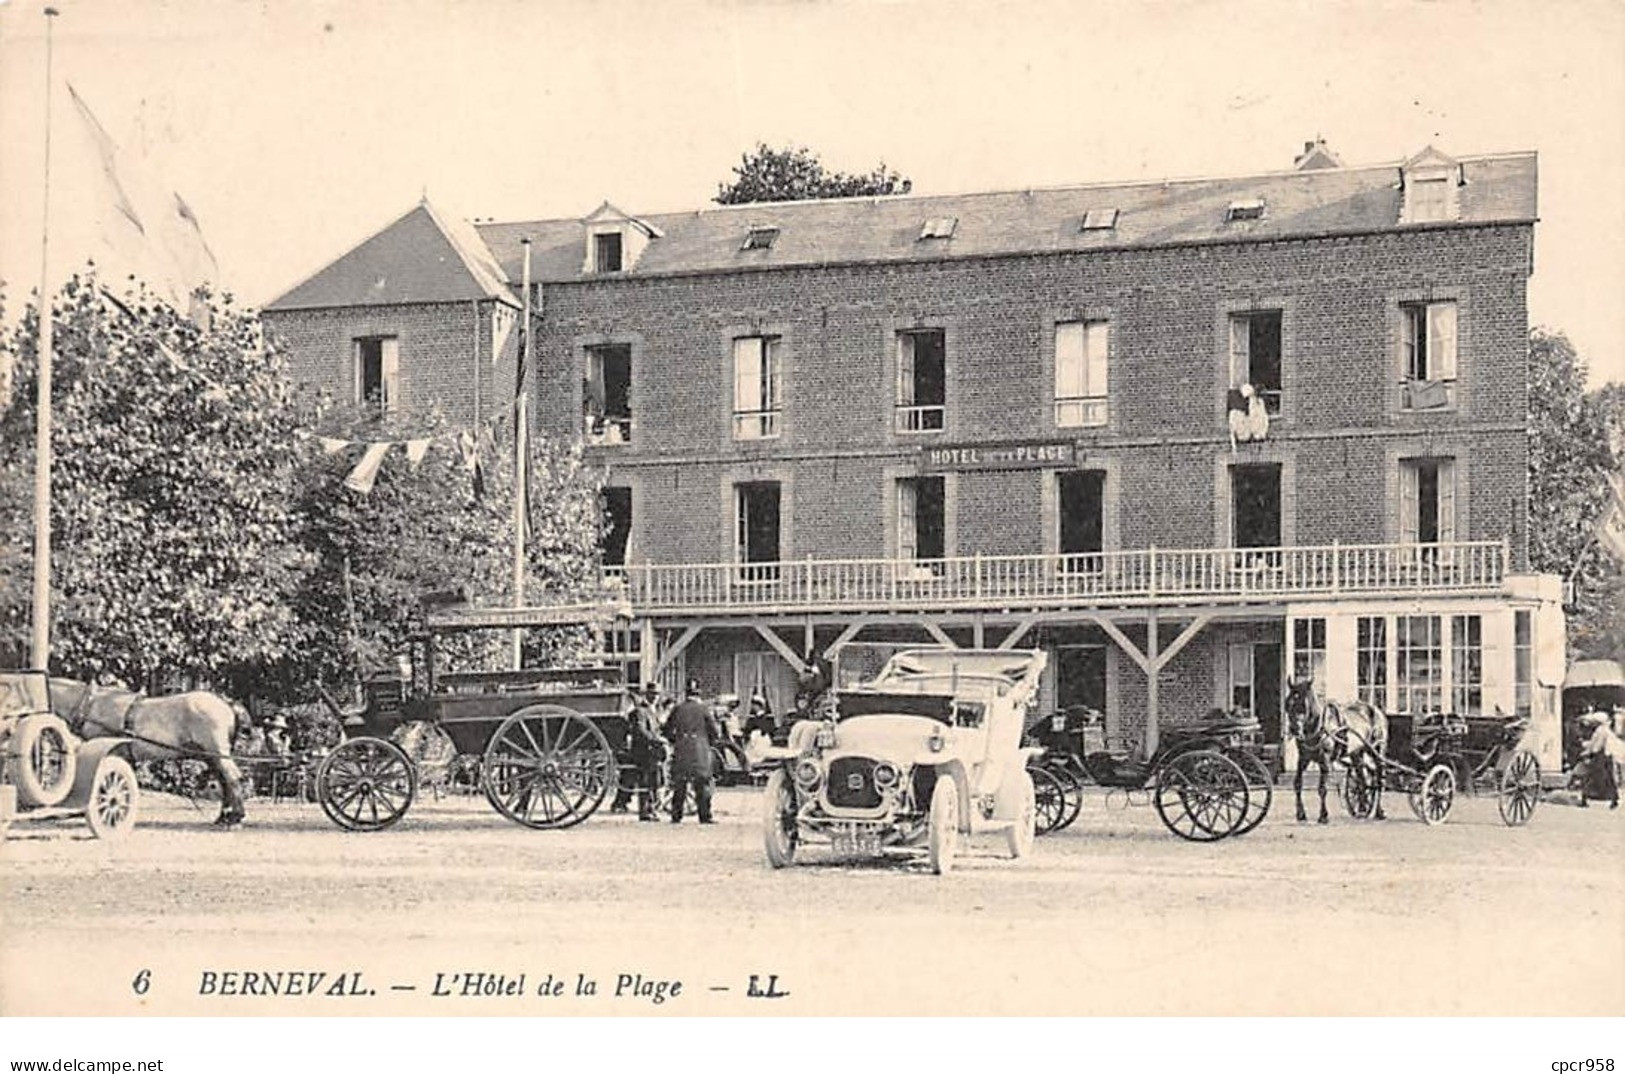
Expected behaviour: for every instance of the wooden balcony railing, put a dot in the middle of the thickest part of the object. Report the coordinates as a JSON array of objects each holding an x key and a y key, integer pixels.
[{"x": 1145, "y": 577}]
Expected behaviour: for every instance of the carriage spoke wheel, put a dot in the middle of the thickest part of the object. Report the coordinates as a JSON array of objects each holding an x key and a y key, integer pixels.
[
  {"x": 1201, "y": 795},
  {"x": 1071, "y": 792},
  {"x": 1360, "y": 787},
  {"x": 1260, "y": 788},
  {"x": 1520, "y": 789},
  {"x": 1049, "y": 801},
  {"x": 114, "y": 797},
  {"x": 548, "y": 767},
  {"x": 1437, "y": 795},
  {"x": 366, "y": 784}
]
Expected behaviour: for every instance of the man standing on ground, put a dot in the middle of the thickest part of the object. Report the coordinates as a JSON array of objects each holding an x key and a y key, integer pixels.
[{"x": 693, "y": 731}]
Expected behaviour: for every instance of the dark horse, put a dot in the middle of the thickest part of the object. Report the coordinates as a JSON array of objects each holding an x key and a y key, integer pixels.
[
  {"x": 191, "y": 726},
  {"x": 1327, "y": 734}
]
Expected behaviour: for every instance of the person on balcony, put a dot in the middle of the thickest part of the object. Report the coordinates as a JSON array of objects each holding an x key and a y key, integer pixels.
[{"x": 694, "y": 734}]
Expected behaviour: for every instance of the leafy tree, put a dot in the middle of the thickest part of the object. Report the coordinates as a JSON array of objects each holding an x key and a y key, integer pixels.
[
  {"x": 173, "y": 545},
  {"x": 1572, "y": 449},
  {"x": 795, "y": 173}
]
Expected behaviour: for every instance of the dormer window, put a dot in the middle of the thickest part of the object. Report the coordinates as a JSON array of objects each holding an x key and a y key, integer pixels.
[
  {"x": 1099, "y": 220},
  {"x": 1428, "y": 188},
  {"x": 760, "y": 238},
  {"x": 939, "y": 227},
  {"x": 1246, "y": 209},
  {"x": 606, "y": 252}
]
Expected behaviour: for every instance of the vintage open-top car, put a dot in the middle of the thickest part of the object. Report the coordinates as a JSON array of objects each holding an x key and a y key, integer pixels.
[{"x": 905, "y": 764}]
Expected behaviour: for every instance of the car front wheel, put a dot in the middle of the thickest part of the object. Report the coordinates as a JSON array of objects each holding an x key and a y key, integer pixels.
[
  {"x": 1019, "y": 838},
  {"x": 779, "y": 820},
  {"x": 944, "y": 839}
]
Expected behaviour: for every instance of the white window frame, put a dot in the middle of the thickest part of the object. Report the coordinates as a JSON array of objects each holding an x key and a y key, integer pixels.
[
  {"x": 389, "y": 372},
  {"x": 1240, "y": 672},
  {"x": 758, "y": 387},
  {"x": 1082, "y": 373},
  {"x": 1371, "y": 663},
  {"x": 1410, "y": 499},
  {"x": 1466, "y": 674},
  {"x": 1309, "y": 653},
  {"x": 911, "y": 417},
  {"x": 1523, "y": 662},
  {"x": 1241, "y": 368},
  {"x": 1407, "y": 686},
  {"x": 595, "y": 265},
  {"x": 1430, "y": 335}
]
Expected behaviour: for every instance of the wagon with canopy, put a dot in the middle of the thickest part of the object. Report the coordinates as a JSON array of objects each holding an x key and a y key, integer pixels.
[{"x": 550, "y": 741}]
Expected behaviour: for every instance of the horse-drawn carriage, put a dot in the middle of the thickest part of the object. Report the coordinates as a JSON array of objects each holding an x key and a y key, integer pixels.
[
  {"x": 51, "y": 773},
  {"x": 551, "y": 741},
  {"x": 1430, "y": 757},
  {"x": 1206, "y": 780}
]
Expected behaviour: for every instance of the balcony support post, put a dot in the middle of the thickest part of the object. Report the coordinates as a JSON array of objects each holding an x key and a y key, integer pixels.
[
  {"x": 937, "y": 632},
  {"x": 979, "y": 632},
  {"x": 781, "y": 647},
  {"x": 847, "y": 633},
  {"x": 1019, "y": 632},
  {"x": 675, "y": 650},
  {"x": 1152, "y": 674}
]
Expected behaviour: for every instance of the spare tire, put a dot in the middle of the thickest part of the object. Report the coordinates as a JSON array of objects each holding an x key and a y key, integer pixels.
[{"x": 44, "y": 759}]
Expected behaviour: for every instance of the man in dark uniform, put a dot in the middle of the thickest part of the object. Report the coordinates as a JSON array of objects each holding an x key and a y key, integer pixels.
[
  {"x": 645, "y": 749},
  {"x": 694, "y": 732}
]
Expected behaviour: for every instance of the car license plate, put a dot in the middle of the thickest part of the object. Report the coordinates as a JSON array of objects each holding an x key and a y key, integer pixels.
[{"x": 854, "y": 843}]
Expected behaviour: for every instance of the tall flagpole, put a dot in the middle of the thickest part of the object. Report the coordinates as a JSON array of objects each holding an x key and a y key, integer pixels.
[
  {"x": 521, "y": 455},
  {"x": 42, "y": 424}
]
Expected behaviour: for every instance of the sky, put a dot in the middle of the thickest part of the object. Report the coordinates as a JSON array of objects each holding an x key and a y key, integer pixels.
[{"x": 296, "y": 128}]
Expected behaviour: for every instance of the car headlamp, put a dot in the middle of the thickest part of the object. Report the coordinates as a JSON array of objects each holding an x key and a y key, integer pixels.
[
  {"x": 886, "y": 775},
  {"x": 808, "y": 774},
  {"x": 938, "y": 740},
  {"x": 825, "y": 739}
]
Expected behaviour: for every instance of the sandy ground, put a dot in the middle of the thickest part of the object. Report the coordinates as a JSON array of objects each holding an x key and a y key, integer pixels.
[{"x": 1113, "y": 916}]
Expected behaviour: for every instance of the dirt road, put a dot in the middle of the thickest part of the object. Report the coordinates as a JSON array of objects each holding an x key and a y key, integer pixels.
[{"x": 1114, "y": 916}]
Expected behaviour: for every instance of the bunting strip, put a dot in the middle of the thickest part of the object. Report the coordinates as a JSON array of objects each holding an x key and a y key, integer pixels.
[{"x": 364, "y": 474}]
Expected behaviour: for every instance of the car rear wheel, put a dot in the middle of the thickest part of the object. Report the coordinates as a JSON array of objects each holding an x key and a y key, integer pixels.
[
  {"x": 944, "y": 839},
  {"x": 1019, "y": 837}
]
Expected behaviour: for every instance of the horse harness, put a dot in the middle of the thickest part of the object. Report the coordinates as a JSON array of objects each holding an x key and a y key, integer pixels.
[{"x": 80, "y": 719}]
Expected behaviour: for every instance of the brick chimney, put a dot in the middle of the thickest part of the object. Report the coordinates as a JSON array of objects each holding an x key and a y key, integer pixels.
[{"x": 1316, "y": 154}]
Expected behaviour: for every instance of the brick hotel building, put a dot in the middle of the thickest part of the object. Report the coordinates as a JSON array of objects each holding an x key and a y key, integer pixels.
[{"x": 1187, "y": 436}]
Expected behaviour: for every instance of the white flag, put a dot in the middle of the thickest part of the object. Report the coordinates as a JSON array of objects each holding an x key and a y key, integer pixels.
[
  {"x": 366, "y": 471},
  {"x": 415, "y": 450}
]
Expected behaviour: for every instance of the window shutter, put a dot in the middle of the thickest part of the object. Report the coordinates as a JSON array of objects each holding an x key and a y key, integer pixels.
[
  {"x": 1447, "y": 500},
  {"x": 1407, "y": 328},
  {"x": 908, "y": 531},
  {"x": 1099, "y": 348},
  {"x": 741, "y": 523},
  {"x": 1442, "y": 340},
  {"x": 391, "y": 373},
  {"x": 1240, "y": 358},
  {"x": 747, "y": 375},
  {"x": 1069, "y": 361},
  {"x": 905, "y": 369},
  {"x": 770, "y": 374},
  {"x": 1409, "y": 509}
]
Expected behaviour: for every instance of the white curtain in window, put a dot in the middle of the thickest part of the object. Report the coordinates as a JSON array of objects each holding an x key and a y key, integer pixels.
[
  {"x": 1098, "y": 341},
  {"x": 748, "y": 375},
  {"x": 1241, "y": 337},
  {"x": 1442, "y": 341},
  {"x": 1447, "y": 500},
  {"x": 1409, "y": 502},
  {"x": 1071, "y": 368},
  {"x": 770, "y": 374},
  {"x": 391, "y": 373},
  {"x": 908, "y": 527},
  {"x": 905, "y": 369}
]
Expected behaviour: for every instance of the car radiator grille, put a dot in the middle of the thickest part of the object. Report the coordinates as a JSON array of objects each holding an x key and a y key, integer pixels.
[{"x": 852, "y": 783}]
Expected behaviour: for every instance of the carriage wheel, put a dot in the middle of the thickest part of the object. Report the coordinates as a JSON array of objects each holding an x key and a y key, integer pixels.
[
  {"x": 548, "y": 767},
  {"x": 1437, "y": 795},
  {"x": 1260, "y": 788},
  {"x": 43, "y": 760},
  {"x": 114, "y": 798},
  {"x": 1520, "y": 789},
  {"x": 1071, "y": 791},
  {"x": 1201, "y": 795},
  {"x": 366, "y": 784},
  {"x": 1049, "y": 800},
  {"x": 1360, "y": 787}
]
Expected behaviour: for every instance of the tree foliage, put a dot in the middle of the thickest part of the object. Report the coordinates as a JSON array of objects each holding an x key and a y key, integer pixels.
[
  {"x": 795, "y": 173},
  {"x": 173, "y": 544},
  {"x": 1574, "y": 445}
]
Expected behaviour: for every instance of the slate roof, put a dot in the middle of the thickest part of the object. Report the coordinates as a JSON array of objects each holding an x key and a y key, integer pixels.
[
  {"x": 1325, "y": 201},
  {"x": 422, "y": 257}
]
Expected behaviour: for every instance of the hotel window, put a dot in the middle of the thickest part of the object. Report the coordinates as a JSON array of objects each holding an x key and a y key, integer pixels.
[
  {"x": 922, "y": 381},
  {"x": 378, "y": 373},
  {"x": 1309, "y": 652},
  {"x": 606, "y": 394},
  {"x": 760, "y": 238},
  {"x": 1523, "y": 662},
  {"x": 757, "y": 388},
  {"x": 1428, "y": 355},
  {"x": 756, "y": 515},
  {"x": 1255, "y": 355},
  {"x": 921, "y": 521},
  {"x": 616, "y": 540},
  {"x": 1419, "y": 660},
  {"x": 1081, "y": 349},
  {"x": 1427, "y": 501},
  {"x": 606, "y": 251},
  {"x": 1241, "y": 677},
  {"x": 1082, "y": 502},
  {"x": 1428, "y": 199},
  {"x": 1371, "y": 659},
  {"x": 1467, "y": 665}
]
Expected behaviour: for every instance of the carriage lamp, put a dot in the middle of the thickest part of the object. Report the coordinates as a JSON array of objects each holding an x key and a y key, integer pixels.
[
  {"x": 808, "y": 774},
  {"x": 825, "y": 739},
  {"x": 886, "y": 775}
]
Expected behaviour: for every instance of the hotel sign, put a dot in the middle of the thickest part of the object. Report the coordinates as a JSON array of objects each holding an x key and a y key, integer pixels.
[{"x": 1028, "y": 455}]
